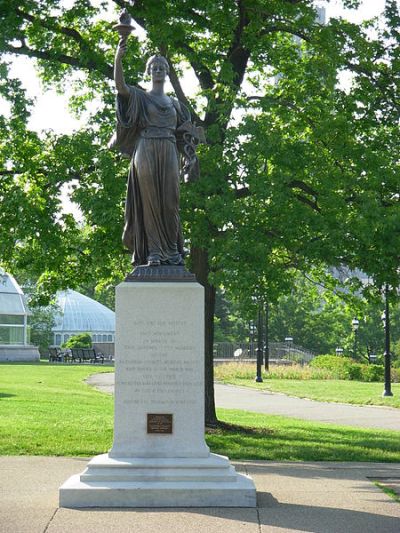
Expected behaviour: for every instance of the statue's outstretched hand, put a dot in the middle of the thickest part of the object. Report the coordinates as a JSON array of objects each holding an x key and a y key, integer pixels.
[{"x": 121, "y": 49}]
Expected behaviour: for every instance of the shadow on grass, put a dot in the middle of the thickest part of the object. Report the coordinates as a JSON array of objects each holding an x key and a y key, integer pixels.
[
  {"x": 5, "y": 395},
  {"x": 279, "y": 440},
  {"x": 224, "y": 428}
]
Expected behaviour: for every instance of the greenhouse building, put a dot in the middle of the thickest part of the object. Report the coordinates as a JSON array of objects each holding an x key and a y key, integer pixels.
[
  {"x": 14, "y": 322},
  {"x": 81, "y": 314}
]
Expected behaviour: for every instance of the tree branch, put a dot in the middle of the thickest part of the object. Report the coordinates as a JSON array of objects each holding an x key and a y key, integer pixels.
[
  {"x": 9, "y": 173},
  {"x": 378, "y": 83},
  {"x": 51, "y": 24},
  {"x": 243, "y": 192},
  {"x": 285, "y": 29},
  {"x": 90, "y": 65},
  {"x": 238, "y": 55},
  {"x": 297, "y": 184},
  {"x": 308, "y": 202},
  {"x": 176, "y": 84},
  {"x": 202, "y": 72}
]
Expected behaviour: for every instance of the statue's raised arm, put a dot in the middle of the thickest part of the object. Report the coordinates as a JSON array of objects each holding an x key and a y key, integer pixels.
[
  {"x": 119, "y": 77},
  {"x": 124, "y": 29}
]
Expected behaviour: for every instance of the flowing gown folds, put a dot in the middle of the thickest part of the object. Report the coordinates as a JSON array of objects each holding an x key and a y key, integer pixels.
[{"x": 146, "y": 132}]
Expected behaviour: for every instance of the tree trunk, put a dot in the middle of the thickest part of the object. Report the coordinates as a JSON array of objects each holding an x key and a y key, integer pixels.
[{"x": 201, "y": 269}]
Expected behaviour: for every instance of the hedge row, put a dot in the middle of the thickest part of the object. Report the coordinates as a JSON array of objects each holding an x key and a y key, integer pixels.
[{"x": 345, "y": 368}]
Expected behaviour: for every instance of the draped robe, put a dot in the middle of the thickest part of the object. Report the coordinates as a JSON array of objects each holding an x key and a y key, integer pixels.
[{"x": 147, "y": 133}]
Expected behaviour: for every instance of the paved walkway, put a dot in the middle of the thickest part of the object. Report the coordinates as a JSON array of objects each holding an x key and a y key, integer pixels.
[
  {"x": 306, "y": 497},
  {"x": 272, "y": 403}
]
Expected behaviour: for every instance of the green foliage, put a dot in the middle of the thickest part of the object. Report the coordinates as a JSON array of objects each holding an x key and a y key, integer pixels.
[
  {"x": 317, "y": 313},
  {"x": 372, "y": 373},
  {"x": 345, "y": 368},
  {"x": 42, "y": 321},
  {"x": 304, "y": 184},
  {"x": 82, "y": 340},
  {"x": 229, "y": 324}
]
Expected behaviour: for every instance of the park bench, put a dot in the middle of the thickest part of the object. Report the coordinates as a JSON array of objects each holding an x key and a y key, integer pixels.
[
  {"x": 81, "y": 355},
  {"x": 57, "y": 355}
]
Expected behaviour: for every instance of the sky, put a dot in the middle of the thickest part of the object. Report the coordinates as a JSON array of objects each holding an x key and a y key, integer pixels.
[{"x": 51, "y": 109}]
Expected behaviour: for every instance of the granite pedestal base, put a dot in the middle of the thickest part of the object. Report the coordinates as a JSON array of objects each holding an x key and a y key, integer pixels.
[
  {"x": 174, "y": 482},
  {"x": 159, "y": 457}
]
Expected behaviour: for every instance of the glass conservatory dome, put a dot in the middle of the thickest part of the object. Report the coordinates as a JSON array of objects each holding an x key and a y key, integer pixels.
[
  {"x": 13, "y": 312},
  {"x": 80, "y": 314}
]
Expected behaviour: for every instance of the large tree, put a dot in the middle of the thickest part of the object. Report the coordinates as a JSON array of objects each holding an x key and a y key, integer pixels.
[{"x": 291, "y": 156}]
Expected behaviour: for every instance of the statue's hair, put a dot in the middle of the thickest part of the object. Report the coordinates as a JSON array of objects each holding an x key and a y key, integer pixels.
[{"x": 155, "y": 59}]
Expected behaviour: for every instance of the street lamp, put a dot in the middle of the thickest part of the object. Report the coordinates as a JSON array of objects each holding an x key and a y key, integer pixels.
[
  {"x": 339, "y": 351},
  {"x": 355, "y": 324},
  {"x": 260, "y": 343},
  {"x": 386, "y": 324},
  {"x": 289, "y": 341},
  {"x": 266, "y": 344},
  {"x": 252, "y": 331}
]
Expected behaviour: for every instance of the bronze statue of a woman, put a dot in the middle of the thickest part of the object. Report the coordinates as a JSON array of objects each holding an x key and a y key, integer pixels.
[{"x": 155, "y": 132}]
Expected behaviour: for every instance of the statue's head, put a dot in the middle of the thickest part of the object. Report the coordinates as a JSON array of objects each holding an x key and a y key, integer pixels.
[{"x": 158, "y": 68}]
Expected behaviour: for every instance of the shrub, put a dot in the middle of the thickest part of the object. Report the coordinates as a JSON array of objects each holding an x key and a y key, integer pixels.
[
  {"x": 83, "y": 340},
  {"x": 372, "y": 373},
  {"x": 344, "y": 368},
  {"x": 339, "y": 366}
]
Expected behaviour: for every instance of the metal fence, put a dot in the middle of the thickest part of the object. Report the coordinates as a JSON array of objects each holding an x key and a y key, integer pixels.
[{"x": 277, "y": 351}]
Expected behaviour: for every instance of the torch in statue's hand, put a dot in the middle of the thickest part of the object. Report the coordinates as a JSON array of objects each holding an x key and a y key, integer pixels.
[{"x": 124, "y": 27}]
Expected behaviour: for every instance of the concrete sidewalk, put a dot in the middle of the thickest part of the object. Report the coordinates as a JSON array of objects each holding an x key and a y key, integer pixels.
[
  {"x": 273, "y": 403},
  {"x": 313, "y": 497}
]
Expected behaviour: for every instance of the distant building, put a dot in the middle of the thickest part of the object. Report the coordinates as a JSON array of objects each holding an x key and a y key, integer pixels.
[
  {"x": 14, "y": 322},
  {"x": 81, "y": 314}
]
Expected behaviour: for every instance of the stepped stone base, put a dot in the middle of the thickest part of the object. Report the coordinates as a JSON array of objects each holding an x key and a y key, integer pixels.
[{"x": 158, "y": 482}]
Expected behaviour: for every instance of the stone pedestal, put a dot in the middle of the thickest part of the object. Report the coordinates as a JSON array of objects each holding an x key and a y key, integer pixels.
[{"x": 159, "y": 457}]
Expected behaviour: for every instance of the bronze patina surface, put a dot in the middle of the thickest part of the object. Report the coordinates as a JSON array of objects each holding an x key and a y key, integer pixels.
[
  {"x": 156, "y": 133},
  {"x": 160, "y": 273}
]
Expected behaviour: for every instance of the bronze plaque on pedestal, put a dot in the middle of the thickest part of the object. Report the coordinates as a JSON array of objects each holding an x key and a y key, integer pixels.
[{"x": 159, "y": 423}]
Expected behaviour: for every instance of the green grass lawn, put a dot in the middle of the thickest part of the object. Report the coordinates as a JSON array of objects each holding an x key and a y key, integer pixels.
[
  {"x": 279, "y": 438},
  {"x": 49, "y": 410}
]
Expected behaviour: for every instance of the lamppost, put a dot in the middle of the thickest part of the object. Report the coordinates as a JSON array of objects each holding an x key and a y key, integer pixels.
[
  {"x": 266, "y": 361},
  {"x": 339, "y": 351},
  {"x": 289, "y": 341},
  {"x": 259, "y": 378},
  {"x": 386, "y": 324},
  {"x": 354, "y": 324}
]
